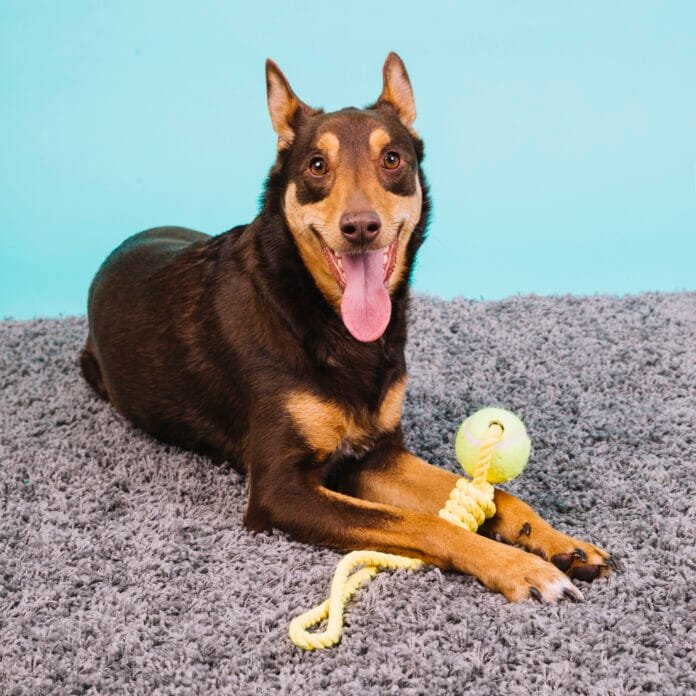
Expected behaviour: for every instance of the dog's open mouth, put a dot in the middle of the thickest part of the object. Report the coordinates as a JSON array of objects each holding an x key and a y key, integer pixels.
[
  {"x": 364, "y": 278},
  {"x": 335, "y": 261}
]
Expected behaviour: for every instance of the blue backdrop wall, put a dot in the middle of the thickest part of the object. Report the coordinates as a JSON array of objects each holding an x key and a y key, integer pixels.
[{"x": 560, "y": 137}]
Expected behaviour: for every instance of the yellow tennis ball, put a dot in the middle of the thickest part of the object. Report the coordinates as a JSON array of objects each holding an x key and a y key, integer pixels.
[{"x": 511, "y": 453}]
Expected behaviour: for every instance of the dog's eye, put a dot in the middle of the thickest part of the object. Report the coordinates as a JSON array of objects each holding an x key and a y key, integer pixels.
[
  {"x": 318, "y": 166},
  {"x": 391, "y": 160}
]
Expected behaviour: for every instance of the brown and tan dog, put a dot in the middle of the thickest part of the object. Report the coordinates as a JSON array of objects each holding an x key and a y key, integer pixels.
[{"x": 278, "y": 346}]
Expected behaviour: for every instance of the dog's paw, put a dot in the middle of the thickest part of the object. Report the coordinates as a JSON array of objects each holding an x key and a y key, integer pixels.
[
  {"x": 583, "y": 561},
  {"x": 522, "y": 576},
  {"x": 578, "y": 559}
]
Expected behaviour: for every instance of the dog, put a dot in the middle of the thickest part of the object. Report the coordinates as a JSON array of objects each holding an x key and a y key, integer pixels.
[{"x": 278, "y": 347}]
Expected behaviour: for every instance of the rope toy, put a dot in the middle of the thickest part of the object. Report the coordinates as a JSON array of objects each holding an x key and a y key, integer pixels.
[{"x": 492, "y": 446}]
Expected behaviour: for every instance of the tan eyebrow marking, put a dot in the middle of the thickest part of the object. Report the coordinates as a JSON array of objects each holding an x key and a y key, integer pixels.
[
  {"x": 378, "y": 139},
  {"x": 329, "y": 143}
]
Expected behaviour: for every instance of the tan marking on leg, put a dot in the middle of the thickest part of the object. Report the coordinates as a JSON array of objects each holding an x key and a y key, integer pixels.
[
  {"x": 322, "y": 423},
  {"x": 390, "y": 410},
  {"x": 407, "y": 482}
]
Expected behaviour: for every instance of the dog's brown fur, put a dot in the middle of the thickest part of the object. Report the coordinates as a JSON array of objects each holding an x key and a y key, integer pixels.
[{"x": 234, "y": 346}]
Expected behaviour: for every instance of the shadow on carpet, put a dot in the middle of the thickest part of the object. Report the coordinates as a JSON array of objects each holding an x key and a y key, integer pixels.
[{"x": 124, "y": 567}]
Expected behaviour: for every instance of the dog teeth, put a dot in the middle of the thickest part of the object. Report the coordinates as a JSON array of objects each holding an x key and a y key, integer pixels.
[{"x": 339, "y": 261}]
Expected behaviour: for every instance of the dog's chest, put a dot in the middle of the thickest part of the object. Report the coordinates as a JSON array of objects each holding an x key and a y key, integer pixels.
[{"x": 327, "y": 427}]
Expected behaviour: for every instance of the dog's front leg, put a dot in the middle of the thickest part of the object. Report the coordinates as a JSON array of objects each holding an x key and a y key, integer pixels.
[
  {"x": 515, "y": 522},
  {"x": 290, "y": 499},
  {"x": 397, "y": 477}
]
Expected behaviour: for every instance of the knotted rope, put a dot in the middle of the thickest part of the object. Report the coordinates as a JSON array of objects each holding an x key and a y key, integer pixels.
[
  {"x": 469, "y": 504},
  {"x": 471, "y": 501},
  {"x": 343, "y": 587}
]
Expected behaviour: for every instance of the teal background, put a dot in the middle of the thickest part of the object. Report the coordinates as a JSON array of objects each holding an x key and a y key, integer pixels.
[{"x": 560, "y": 137}]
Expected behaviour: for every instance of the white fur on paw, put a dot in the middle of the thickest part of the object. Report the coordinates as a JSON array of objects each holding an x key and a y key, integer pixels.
[{"x": 563, "y": 587}]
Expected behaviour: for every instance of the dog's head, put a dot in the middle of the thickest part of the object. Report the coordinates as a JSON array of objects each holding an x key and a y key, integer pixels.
[{"x": 350, "y": 188}]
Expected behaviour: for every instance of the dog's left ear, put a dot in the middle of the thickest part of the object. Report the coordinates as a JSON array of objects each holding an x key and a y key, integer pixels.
[
  {"x": 397, "y": 92},
  {"x": 285, "y": 107}
]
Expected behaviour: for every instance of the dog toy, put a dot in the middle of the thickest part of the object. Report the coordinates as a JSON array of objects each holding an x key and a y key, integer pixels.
[{"x": 492, "y": 446}]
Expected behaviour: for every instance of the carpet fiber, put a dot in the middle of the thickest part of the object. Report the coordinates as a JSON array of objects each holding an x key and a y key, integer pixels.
[{"x": 124, "y": 567}]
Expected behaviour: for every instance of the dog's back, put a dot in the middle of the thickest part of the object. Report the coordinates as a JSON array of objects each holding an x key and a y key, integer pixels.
[{"x": 140, "y": 308}]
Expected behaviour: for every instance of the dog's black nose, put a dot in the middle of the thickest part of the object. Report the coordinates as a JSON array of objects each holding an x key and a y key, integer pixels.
[{"x": 360, "y": 227}]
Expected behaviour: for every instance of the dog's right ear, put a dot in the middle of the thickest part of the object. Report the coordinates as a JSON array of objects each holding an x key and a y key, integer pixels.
[{"x": 284, "y": 106}]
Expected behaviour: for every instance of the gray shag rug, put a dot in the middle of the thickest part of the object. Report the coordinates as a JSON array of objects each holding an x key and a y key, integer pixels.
[{"x": 124, "y": 566}]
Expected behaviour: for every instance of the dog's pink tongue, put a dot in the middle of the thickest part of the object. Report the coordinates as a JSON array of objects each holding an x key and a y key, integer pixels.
[{"x": 365, "y": 306}]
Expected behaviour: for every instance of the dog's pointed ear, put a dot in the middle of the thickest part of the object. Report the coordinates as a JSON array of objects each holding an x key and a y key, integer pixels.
[
  {"x": 285, "y": 107},
  {"x": 396, "y": 91}
]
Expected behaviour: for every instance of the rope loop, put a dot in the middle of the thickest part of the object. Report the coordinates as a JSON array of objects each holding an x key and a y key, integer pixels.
[
  {"x": 345, "y": 583},
  {"x": 469, "y": 504}
]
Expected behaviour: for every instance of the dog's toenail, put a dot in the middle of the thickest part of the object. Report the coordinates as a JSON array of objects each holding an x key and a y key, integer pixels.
[
  {"x": 562, "y": 561},
  {"x": 587, "y": 572},
  {"x": 568, "y": 594},
  {"x": 535, "y": 594},
  {"x": 579, "y": 553},
  {"x": 526, "y": 529}
]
